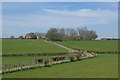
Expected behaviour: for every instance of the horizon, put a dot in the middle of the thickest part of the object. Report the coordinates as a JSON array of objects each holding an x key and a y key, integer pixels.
[{"x": 22, "y": 18}]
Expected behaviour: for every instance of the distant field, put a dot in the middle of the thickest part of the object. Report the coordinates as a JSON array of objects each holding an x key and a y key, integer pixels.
[
  {"x": 103, "y": 66},
  {"x": 13, "y": 46},
  {"x": 109, "y": 45}
]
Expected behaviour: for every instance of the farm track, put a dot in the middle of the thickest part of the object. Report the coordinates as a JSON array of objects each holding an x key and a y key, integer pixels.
[{"x": 84, "y": 55}]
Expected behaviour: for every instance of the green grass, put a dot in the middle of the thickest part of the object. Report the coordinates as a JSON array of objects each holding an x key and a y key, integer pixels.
[
  {"x": 26, "y": 59},
  {"x": 111, "y": 45},
  {"x": 103, "y": 66},
  {"x": 0, "y": 45},
  {"x": 22, "y": 59},
  {"x": 14, "y": 46}
]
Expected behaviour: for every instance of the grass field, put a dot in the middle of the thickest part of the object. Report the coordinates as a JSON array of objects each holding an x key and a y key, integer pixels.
[
  {"x": 104, "y": 45},
  {"x": 103, "y": 66},
  {"x": 26, "y": 59},
  {"x": 13, "y": 46},
  {"x": 22, "y": 59},
  {"x": 0, "y": 45}
]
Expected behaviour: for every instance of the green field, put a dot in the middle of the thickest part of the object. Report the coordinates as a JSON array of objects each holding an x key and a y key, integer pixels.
[
  {"x": 22, "y": 59},
  {"x": 104, "y": 45},
  {"x": 103, "y": 66},
  {"x": 26, "y": 59},
  {"x": 14, "y": 46},
  {"x": 0, "y": 45}
]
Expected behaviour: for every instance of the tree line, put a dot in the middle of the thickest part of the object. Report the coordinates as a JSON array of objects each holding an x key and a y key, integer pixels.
[
  {"x": 55, "y": 34},
  {"x": 60, "y": 34}
]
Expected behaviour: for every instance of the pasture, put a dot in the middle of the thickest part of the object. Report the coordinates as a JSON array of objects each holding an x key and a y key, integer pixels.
[
  {"x": 102, "y": 45},
  {"x": 0, "y": 45},
  {"x": 103, "y": 66},
  {"x": 26, "y": 59},
  {"x": 14, "y": 46},
  {"x": 22, "y": 59}
]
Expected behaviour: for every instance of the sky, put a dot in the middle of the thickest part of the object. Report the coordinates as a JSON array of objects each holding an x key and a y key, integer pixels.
[
  {"x": 20, "y": 18},
  {"x": 60, "y": 0}
]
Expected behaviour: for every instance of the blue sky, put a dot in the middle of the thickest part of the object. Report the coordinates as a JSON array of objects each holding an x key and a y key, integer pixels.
[{"x": 19, "y": 18}]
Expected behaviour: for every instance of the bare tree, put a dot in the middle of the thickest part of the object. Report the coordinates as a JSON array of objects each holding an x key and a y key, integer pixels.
[
  {"x": 85, "y": 34},
  {"x": 71, "y": 34},
  {"x": 38, "y": 35},
  {"x": 61, "y": 33},
  {"x": 53, "y": 35}
]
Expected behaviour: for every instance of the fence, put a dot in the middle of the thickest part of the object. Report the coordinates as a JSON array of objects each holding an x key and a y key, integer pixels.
[
  {"x": 99, "y": 52},
  {"x": 32, "y": 54},
  {"x": 46, "y": 63}
]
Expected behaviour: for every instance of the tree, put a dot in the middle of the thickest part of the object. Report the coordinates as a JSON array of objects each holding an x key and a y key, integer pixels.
[
  {"x": 33, "y": 36},
  {"x": 85, "y": 34},
  {"x": 93, "y": 34},
  {"x": 81, "y": 32},
  {"x": 71, "y": 34},
  {"x": 38, "y": 35},
  {"x": 53, "y": 35},
  {"x": 20, "y": 37},
  {"x": 61, "y": 33},
  {"x": 12, "y": 37}
]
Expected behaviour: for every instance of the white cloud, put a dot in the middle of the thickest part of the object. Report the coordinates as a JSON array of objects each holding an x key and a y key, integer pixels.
[
  {"x": 86, "y": 13},
  {"x": 57, "y": 18},
  {"x": 62, "y": 18}
]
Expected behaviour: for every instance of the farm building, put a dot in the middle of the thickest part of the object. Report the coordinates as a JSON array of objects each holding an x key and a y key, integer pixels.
[
  {"x": 41, "y": 35},
  {"x": 31, "y": 36}
]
